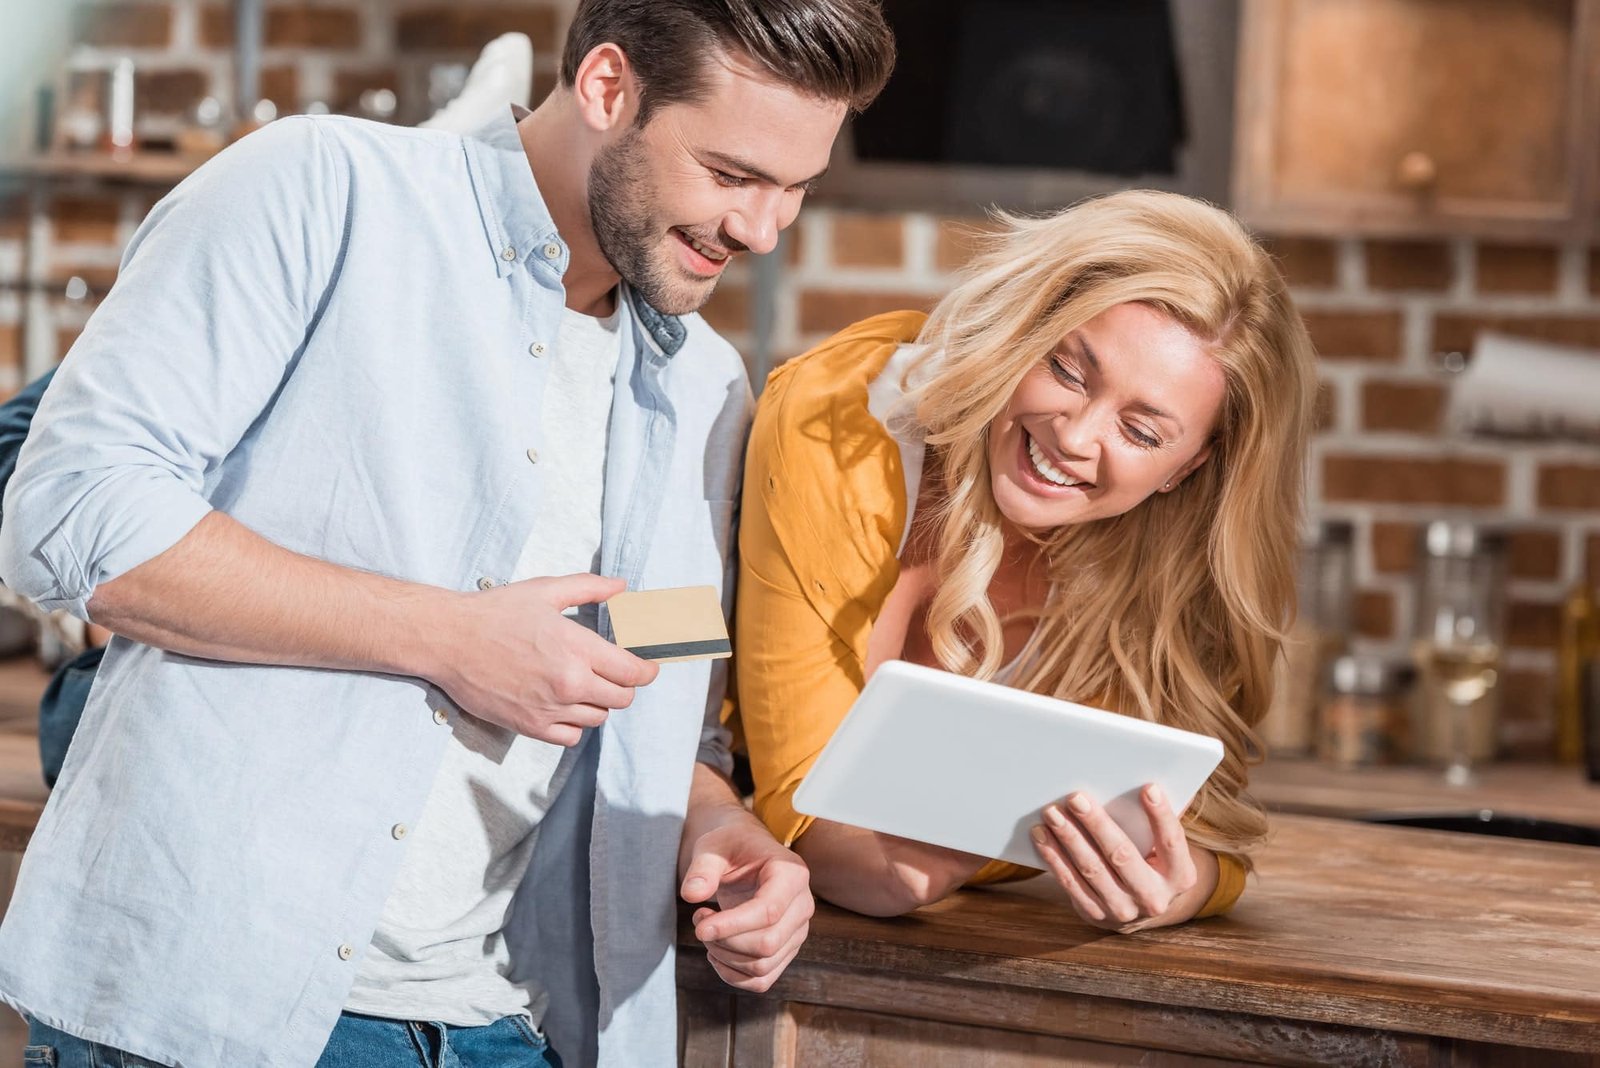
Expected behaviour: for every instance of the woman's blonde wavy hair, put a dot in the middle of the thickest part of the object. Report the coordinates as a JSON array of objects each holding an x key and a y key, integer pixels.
[{"x": 1173, "y": 611}]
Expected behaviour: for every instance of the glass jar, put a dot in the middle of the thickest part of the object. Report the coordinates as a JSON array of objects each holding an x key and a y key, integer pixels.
[
  {"x": 1320, "y": 632},
  {"x": 1362, "y": 718},
  {"x": 1456, "y": 643}
]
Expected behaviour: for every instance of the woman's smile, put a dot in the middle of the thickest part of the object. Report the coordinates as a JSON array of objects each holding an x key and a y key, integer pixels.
[{"x": 1048, "y": 476}]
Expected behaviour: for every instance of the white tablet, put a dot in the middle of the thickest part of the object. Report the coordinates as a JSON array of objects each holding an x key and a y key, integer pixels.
[{"x": 969, "y": 765}]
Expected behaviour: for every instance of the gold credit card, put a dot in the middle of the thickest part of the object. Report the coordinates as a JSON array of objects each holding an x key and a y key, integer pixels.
[{"x": 683, "y": 623}]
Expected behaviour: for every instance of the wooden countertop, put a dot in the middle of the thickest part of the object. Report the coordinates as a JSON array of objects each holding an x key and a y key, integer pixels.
[
  {"x": 1417, "y": 932},
  {"x": 1542, "y": 791}
]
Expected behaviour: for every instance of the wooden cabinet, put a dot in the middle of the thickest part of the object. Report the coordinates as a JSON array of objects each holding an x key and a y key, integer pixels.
[{"x": 1417, "y": 117}]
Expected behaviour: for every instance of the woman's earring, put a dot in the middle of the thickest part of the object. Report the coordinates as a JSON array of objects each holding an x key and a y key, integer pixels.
[{"x": 1167, "y": 486}]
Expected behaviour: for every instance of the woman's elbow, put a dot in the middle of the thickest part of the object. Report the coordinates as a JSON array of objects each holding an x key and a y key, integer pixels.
[{"x": 907, "y": 887}]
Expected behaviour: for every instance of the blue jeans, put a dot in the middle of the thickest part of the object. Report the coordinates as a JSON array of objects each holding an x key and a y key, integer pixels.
[{"x": 357, "y": 1042}]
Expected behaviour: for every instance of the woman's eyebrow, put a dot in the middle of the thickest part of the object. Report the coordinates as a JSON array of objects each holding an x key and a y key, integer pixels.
[
  {"x": 1088, "y": 353},
  {"x": 1159, "y": 413}
]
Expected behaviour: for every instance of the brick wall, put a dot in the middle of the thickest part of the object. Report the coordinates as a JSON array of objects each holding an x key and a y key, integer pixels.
[
  {"x": 315, "y": 52},
  {"x": 1377, "y": 310}
]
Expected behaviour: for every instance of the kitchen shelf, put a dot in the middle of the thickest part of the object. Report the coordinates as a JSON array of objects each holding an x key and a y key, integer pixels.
[{"x": 140, "y": 168}]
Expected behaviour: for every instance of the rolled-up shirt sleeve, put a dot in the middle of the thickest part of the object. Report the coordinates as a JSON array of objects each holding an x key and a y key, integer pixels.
[{"x": 218, "y": 291}]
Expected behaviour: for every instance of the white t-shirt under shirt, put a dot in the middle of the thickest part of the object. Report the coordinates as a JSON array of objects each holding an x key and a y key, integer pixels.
[{"x": 438, "y": 953}]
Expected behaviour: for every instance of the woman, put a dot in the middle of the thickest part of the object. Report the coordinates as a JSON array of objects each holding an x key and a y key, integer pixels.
[{"x": 1080, "y": 476}]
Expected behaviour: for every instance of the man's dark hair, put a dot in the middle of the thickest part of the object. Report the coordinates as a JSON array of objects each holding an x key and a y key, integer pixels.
[{"x": 830, "y": 49}]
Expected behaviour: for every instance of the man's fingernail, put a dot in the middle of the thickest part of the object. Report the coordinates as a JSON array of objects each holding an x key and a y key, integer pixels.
[
  {"x": 1079, "y": 803},
  {"x": 696, "y": 883},
  {"x": 1054, "y": 817}
]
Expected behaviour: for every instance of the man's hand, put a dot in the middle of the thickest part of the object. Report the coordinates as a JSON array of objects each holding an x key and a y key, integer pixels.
[
  {"x": 763, "y": 893},
  {"x": 513, "y": 659}
]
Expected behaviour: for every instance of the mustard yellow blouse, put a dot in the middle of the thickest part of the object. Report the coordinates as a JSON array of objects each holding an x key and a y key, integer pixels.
[{"x": 823, "y": 514}]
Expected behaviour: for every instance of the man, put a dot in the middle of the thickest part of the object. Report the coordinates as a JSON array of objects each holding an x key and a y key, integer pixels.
[{"x": 355, "y": 388}]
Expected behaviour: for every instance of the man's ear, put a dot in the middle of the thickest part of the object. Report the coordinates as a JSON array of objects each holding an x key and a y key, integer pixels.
[
  {"x": 606, "y": 91},
  {"x": 1188, "y": 468}
]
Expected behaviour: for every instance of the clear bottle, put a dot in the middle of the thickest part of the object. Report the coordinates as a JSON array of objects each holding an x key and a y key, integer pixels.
[
  {"x": 1321, "y": 631},
  {"x": 1457, "y": 637}
]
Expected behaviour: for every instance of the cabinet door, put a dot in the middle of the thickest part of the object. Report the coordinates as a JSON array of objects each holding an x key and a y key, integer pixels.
[{"x": 1415, "y": 116}]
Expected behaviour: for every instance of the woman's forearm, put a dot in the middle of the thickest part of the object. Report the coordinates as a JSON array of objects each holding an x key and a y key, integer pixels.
[{"x": 879, "y": 874}]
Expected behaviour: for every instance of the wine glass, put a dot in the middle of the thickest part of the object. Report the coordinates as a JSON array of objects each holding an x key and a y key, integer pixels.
[{"x": 1458, "y": 635}]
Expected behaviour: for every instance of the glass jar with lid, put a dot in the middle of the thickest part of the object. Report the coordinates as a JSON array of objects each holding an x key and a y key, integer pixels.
[{"x": 1362, "y": 718}]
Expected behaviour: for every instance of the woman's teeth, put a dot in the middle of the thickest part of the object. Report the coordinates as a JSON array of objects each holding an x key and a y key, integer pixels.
[{"x": 1048, "y": 471}]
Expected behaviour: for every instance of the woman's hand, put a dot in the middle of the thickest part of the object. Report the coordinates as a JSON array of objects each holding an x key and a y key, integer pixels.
[{"x": 1109, "y": 884}]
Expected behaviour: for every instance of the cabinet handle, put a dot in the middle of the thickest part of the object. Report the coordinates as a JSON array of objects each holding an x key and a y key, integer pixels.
[{"x": 1417, "y": 170}]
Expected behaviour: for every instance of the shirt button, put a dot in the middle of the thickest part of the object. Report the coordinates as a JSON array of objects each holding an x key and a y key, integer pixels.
[
  {"x": 345, "y": 952},
  {"x": 440, "y": 716},
  {"x": 486, "y": 583},
  {"x": 533, "y": 455},
  {"x": 508, "y": 253},
  {"x": 537, "y": 348},
  {"x": 398, "y": 830},
  {"x": 552, "y": 250}
]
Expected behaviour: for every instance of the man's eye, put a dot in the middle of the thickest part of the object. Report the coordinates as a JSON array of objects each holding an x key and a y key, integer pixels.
[{"x": 732, "y": 181}]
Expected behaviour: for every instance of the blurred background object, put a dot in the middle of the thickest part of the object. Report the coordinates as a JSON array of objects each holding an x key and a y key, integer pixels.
[
  {"x": 1321, "y": 632},
  {"x": 1577, "y": 712},
  {"x": 1457, "y": 639},
  {"x": 1362, "y": 718},
  {"x": 1032, "y": 104},
  {"x": 461, "y": 95},
  {"x": 119, "y": 108},
  {"x": 1522, "y": 388}
]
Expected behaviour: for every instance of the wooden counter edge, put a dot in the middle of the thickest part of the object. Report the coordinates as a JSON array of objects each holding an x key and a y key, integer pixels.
[{"x": 718, "y": 1022}]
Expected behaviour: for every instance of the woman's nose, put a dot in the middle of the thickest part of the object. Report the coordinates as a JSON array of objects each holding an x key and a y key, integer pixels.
[{"x": 1077, "y": 433}]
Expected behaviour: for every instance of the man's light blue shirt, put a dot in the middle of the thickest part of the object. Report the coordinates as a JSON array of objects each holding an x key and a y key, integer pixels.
[{"x": 332, "y": 333}]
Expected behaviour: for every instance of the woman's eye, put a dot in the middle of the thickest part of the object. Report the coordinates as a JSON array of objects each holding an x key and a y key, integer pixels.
[
  {"x": 1061, "y": 371},
  {"x": 732, "y": 181},
  {"x": 1142, "y": 439}
]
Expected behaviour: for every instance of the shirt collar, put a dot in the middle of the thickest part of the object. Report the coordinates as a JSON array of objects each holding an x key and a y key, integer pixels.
[
  {"x": 516, "y": 221},
  {"x": 518, "y": 224}
]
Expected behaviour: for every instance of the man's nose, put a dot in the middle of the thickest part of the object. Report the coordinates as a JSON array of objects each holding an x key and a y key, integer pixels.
[{"x": 756, "y": 224}]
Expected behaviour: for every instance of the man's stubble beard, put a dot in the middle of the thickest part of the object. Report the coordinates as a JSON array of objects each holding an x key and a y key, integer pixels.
[{"x": 621, "y": 203}]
